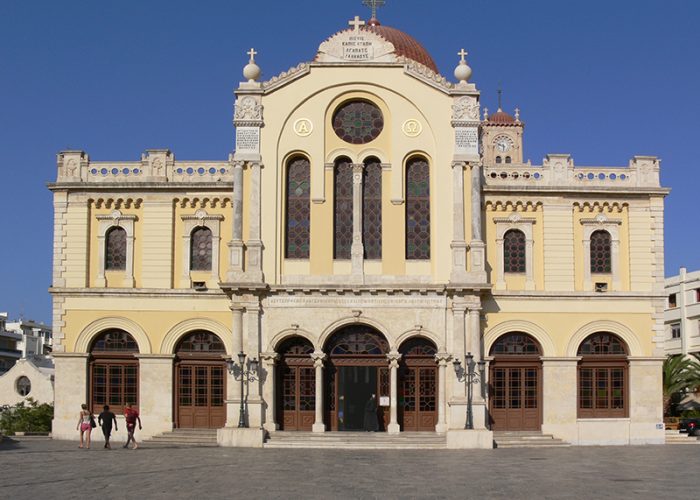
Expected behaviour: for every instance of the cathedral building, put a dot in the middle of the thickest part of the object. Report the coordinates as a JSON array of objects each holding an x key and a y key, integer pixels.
[{"x": 377, "y": 244}]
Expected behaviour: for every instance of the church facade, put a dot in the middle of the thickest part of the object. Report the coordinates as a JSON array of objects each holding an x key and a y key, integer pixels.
[{"x": 377, "y": 240}]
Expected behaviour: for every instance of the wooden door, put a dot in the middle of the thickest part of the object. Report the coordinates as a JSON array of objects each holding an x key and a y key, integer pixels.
[
  {"x": 297, "y": 397},
  {"x": 515, "y": 397},
  {"x": 331, "y": 395},
  {"x": 201, "y": 388},
  {"x": 418, "y": 398}
]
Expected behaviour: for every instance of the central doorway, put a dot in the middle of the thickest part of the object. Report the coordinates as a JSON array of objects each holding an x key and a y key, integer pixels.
[
  {"x": 418, "y": 385},
  {"x": 357, "y": 369}
]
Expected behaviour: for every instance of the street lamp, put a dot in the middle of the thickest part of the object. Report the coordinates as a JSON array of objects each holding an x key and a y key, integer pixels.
[
  {"x": 246, "y": 372},
  {"x": 469, "y": 376}
]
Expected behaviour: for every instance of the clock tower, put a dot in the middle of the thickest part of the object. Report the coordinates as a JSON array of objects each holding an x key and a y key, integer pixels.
[{"x": 502, "y": 137}]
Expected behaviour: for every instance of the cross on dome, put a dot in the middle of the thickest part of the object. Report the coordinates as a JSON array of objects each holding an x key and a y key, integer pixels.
[
  {"x": 356, "y": 23},
  {"x": 462, "y": 53},
  {"x": 373, "y": 4},
  {"x": 252, "y": 53}
]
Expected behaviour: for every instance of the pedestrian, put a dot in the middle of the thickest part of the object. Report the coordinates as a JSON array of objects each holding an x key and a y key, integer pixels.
[
  {"x": 85, "y": 424},
  {"x": 105, "y": 420},
  {"x": 371, "y": 422},
  {"x": 131, "y": 415}
]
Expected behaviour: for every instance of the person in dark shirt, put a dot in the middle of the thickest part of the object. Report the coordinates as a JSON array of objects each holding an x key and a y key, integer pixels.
[{"x": 105, "y": 420}]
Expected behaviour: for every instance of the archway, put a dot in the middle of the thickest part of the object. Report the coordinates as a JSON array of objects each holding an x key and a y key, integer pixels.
[
  {"x": 515, "y": 379},
  {"x": 200, "y": 381},
  {"x": 114, "y": 371},
  {"x": 417, "y": 385},
  {"x": 295, "y": 385},
  {"x": 357, "y": 369}
]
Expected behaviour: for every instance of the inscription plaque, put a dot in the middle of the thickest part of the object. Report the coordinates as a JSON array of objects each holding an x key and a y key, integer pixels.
[
  {"x": 248, "y": 140},
  {"x": 467, "y": 140}
]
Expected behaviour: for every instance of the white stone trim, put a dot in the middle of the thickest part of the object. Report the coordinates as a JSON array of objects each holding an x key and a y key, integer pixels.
[
  {"x": 287, "y": 333},
  {"x": 536, "y": 331},
  {"x": 175, "y": 334},
  {"x": 200, "y": 219},
  {"x": 525, "y": 225},
  {"x": 612, "y": 226},
  {"x": 622, "y": 331},
  {"x": 107, "y": 222},
  {"x": 82, "y": 344}
]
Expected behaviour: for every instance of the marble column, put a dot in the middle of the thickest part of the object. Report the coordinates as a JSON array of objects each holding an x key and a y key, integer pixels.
[
  {"x": 236, "y": 244},
  {"x": 254, "y": 400},
  {"x": 393, "y": 427},
  {"x": 254, "y": 246},
  {"x": 443, "y": 359},
  {"x": 458, "y": 244},
  {"x": 357, "y": 249},
  {"x": 475, "y": 346},
  {"x": 269, "y": 360},
  {"x": 318, "y": 358},
  {"x": 477, "y": 249}
]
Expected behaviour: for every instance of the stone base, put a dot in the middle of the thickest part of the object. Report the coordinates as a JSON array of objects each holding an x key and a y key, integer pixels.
[
  {"x": 240, "y": 437},
  {"x": 463, "y": 439},
  {"x": 318, "y": 427},
  {"x": 393, "y": 429}
]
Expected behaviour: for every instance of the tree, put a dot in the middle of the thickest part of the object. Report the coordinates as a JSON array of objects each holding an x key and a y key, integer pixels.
[{"x": 680, "y": 375}]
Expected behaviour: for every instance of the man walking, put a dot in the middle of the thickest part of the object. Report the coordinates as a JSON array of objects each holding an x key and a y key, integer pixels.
[
  {"x": 131, "y": 415},
  {"x": 105, "y": 420}
]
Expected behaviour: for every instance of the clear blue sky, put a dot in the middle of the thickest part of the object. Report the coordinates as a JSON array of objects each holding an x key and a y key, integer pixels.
[{"x": 600, "y": 79}]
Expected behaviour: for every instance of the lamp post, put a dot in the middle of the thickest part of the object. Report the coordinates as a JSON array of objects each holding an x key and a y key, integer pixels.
[
  {"x": 246, "y": 372},
  {"x": 470, "y": 377}
]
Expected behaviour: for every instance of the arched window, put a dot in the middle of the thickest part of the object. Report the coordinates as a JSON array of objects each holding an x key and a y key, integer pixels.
[
  {"x": 499, "y": 159},
  {"x": 600, "y": 252},
  {"x": 508, "y": 160},
  {"x": 201, "y": 342},
  {"x": 342, "y": 209},
  {"x": 115, "y": 249},
  {"x": 114, "y": 371},
  {"x": 357, "y": 340},
  {"x": 515, "y": 344},
  {"x": 372, "y": 209},
  {"x": 514, "y": 256},
  {"x": 23, "y": 386},
  {"x": 200, "y": 249},
  {"x": 602, "y": 377},
  {"x": 417, "y": 209},
  {"x": 298, "y": 210}
]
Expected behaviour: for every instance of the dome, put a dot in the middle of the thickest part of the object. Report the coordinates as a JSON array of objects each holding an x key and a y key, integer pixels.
[
  {"x": 404, "y": 44},
  {"x": 502, "y": 118}
]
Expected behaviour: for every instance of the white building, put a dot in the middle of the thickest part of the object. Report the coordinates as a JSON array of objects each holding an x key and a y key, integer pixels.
[
  {"x": 9, "y": 353},
  {"x": 36, "y": 338},
  {"x": 682, "y": 314}
]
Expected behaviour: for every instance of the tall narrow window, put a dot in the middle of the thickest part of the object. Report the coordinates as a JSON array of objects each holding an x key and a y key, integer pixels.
[
  {"x": 417, "y": 209},
  {"x": 600, "y": 252},
  {"x": 514, "y": 251},
  {"x": 200, "y": 249},
  {"x": 298, "y": 213},
  {"x": 115, "y": 249},
  {"x": 372, "y": 209},
  {"x": 342, "y": 209}
]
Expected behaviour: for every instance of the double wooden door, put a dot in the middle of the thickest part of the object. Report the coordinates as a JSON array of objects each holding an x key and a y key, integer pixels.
[
  {"x": 200, "y": 394},
  {"x": 418, "y": 398},
  {"x": 515, "y": 396},
  {"x": 296, "y": 396}
]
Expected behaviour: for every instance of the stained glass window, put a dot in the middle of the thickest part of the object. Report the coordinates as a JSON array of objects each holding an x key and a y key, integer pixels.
[
  {"x": 298, "y": 212},
  {"x": 600, "y": 252},
  {"x": 418, "y": 347},
  {"x": 417, "y": 209},
  {"x": 296, "y": 346},
  {"x": 358, "y": 122},
  {"x": 603, "y": 343},
  {"x": 372, "y": 209},
  {"x": 115, "y": 341},
  {"x": 342, "y": 209},
  {"x": 357, "y": 340},
  {"x": 115, "y": 249},
  {"x": 201, "y": 341},
  {"x": 514, "y": 251},
  {"x": 516, "y": 343},
  {"x": 200, "y": 249}
]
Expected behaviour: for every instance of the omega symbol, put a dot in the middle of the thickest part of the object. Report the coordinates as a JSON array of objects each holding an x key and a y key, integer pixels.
[{"x": 412, "y": 127}]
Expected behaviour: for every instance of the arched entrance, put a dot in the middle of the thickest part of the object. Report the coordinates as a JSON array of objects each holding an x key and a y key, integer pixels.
[
  {"x": 114, "y": 371},
  {"x": 515, "y": 380},
  {"x": 296, "y": 385},
  {"x": 357, "y": 368},
  {"x": 200, "y": 381},
  {"x": 418, "y": 385}
]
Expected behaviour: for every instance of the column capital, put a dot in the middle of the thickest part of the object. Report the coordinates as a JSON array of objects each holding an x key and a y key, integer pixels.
[
  {"x": 238, "y": 164},
  {"x": 270, "y": 357},
  {"x": 443, "y": 358},
  {"x": 319, "y": 358},
  {"x": 459, "y": 164}
]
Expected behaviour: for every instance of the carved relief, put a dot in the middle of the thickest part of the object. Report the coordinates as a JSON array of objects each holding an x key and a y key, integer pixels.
[
  {"x": 465, "y": 108},
  {"x": 247, "y": 108}
]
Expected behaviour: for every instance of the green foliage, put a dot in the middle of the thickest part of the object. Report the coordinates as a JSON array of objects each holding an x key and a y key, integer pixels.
[
  {"x": 680, "y": 375},
  {"x": 691, "y": 414},
  {"x": 29, "y": 417}
]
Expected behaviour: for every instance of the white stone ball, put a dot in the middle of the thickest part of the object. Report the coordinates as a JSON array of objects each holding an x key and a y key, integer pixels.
[
  {"x": 463, "y": 72},
  {"x": 251, "y": 71}
]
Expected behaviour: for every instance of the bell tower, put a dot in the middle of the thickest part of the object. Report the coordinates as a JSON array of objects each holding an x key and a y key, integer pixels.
[{"x": 502, "y": 136}]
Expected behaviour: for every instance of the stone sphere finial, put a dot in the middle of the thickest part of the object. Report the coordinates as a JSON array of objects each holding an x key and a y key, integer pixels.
[
  {"x": 251, "y": 71},
  {"x": 463, "y": 72}
]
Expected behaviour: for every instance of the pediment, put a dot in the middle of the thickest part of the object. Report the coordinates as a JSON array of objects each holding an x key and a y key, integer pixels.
[{"x": 352, "y": 46}]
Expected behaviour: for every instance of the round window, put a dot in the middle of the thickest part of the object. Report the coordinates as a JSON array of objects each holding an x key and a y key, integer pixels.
[
  {"x": 358, "y": 122},
  {"x": 24, "y": 386}
]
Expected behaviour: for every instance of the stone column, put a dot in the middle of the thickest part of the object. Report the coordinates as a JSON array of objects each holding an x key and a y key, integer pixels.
[
  {"x": 236, "y": 244},
  {"x": 443, "y": 359},
  {"x": 156, "y": 389},
  {"x": 70, "y": 391},
  {"x": 233, "y": 386},
  {"x": 393, "y": 427},
  {"x": 475, "y": 346},
  {"x": 529, "y": 262},
  {"x": 253, "y": 268},
  {"x": 559, "y": 405},
  {"x": 458, "y": 397},
  {"x": 318, "y": 358},
  {"x": 458, "y": 244},
  {"x": 477, "y": 250},
  {"x": 269, "y": 360},
  {"x": 357, "y": 249},
  {"x": 255, "y": 403},
  {"x": 615, "y": 262}
]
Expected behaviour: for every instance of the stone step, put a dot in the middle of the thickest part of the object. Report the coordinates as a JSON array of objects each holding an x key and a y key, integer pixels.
[
  {"x": 527, "y": 439},
  {"x": 356, "y": 440},
  {"x": 184, "y": 437}
]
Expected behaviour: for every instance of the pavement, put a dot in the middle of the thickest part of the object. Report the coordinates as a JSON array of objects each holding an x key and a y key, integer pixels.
[{"x": 58, "y": 469}]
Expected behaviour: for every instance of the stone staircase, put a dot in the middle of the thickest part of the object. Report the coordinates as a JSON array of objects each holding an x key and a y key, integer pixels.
[
  {"x": 357, "y": 440},
  {"x": 675, "y": 437},
  {"x": 183, "y": 438},
  {"x": 526, "y": 439}
]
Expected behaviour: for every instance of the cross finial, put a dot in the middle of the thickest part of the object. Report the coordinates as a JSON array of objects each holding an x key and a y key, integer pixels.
[
  {"x": 517, "y": 114},
  {"x": 463, "y": 53},
  {"x": 373, "y": 4},
  {"x": 252, "y": 53},
  {"x": 356, "y": 23},
  {"x": 500, "y": 96}
]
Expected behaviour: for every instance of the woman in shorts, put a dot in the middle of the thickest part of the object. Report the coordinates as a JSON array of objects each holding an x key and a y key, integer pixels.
[{"x": 84, "y": 426}]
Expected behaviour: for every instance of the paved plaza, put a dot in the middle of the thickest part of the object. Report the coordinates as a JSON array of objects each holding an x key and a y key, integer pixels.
[{"x": 58, "y": 469}]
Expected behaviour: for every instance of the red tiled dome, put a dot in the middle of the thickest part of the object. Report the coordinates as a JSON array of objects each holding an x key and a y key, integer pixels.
[
  {"x": 501, "y": 117},
  {"x": 404, "y": 44}
]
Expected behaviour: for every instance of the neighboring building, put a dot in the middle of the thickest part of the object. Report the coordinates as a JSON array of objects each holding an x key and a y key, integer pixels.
[
  {"x": 36, "y": 337},
  {"x": 28, "y": 378},
  {"x": 682, "y": 315},
  {"x": 369, "y": 231},
  {"x": 9, "y": 354}
]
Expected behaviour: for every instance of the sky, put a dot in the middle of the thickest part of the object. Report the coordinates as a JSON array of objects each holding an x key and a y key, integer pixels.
[{"x": 602, "y": 80}]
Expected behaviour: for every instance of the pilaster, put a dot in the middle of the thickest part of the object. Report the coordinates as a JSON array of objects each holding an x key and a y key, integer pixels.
[
  {"x": 269, "y": 362},
  {"x": 357, "y": 248}
]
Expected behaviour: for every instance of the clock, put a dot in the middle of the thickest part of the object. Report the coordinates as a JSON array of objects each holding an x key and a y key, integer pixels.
[{"x": 503, "y": 143}]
